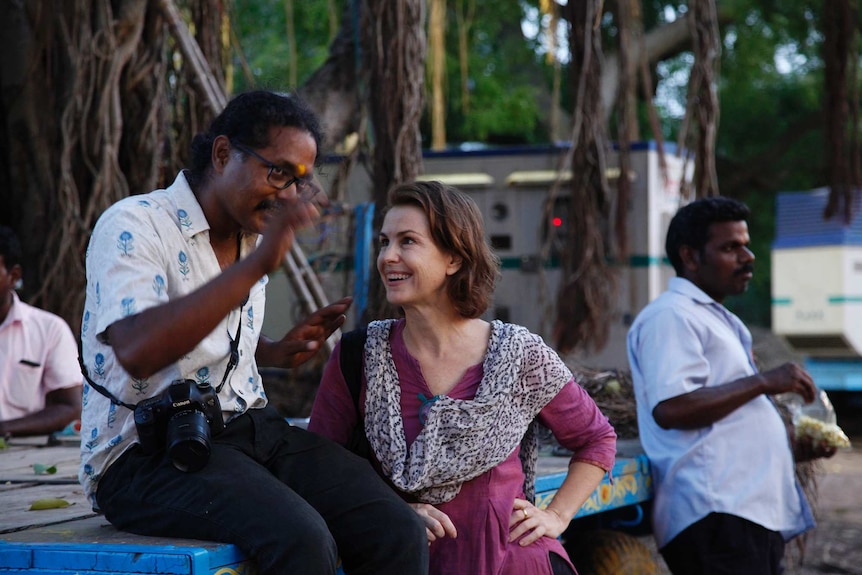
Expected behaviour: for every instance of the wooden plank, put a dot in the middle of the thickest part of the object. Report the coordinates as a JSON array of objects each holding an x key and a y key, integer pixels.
[
  {"x": 29, "y": 441},
  {"x": 551, "y": 465},
  {"x": 97, "y": 529},
  {"x": 7, "y": 486},
  {"x": 94, "y": 545},
  {"x": 548, "y": 465},
  {"x": 629, "y": 448},
  {"x": 17, "y": 461},
  {"x": 16, "y": 503}
]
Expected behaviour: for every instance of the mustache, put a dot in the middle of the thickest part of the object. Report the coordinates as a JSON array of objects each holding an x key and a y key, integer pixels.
[
  {"x": 746, "y": 269},
  {"x": 270, "y": 205}
]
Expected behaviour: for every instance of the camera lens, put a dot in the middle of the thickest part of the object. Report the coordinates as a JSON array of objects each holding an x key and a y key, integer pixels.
[{"x": 189, "y": 440}]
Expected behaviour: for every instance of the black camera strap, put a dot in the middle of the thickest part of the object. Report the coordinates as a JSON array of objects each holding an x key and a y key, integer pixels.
[
  {"x": 233, "y": 360},
  {"x": 102, "y": 389}
]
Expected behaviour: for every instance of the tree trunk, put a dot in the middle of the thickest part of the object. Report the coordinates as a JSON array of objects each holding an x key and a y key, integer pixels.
[
  {"x": 388, "y": 90},
  {"x": 64, "y": 125},
  {"x": 587, "y": 290},
  {"x": 87, "y": 118},
  {"x": 437, "y": 64},
  {"x": 26, "y": 134},
  {"x": 393, "y": 39},
  {"x": 333, "y": 90}
]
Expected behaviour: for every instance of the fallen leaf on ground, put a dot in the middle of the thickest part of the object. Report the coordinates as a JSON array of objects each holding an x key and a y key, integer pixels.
[
  {"x": 48, "y": 503},
  {"x": 42, "y": 469}
]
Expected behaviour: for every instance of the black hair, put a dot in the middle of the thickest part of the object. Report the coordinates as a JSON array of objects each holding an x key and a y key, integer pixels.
[
  {"x": 247, "y": 120},
  {"x": 690, "y": 225},
  {"x": 10, "y": 248}
]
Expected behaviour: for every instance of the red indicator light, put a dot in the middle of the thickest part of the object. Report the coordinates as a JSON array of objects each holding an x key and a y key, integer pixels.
[{"x": 557, "y": 222}]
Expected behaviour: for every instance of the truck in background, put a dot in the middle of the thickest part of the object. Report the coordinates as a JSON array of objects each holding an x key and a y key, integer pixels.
[
  {"x": 817, "y": 290},
  {"x": 512, "y": 186}
]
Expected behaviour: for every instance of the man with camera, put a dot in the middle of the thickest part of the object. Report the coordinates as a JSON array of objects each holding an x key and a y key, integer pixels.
[{"x": 177, "y": 437}]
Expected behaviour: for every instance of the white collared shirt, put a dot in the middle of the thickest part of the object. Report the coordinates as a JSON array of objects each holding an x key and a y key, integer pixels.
[
  {"x": 145, "y": 251},
  {"x": 742, "y": 464}
]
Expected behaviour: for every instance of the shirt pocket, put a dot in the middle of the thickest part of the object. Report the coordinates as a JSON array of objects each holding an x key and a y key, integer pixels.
[{"x": 25, "y": 388}]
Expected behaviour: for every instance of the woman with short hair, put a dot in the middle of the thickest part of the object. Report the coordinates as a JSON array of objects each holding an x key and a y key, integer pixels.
[{"x": 450, "y": 402}]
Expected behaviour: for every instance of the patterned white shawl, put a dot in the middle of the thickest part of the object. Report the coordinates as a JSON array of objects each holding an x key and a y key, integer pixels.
[{"x": 462, "y": 439}]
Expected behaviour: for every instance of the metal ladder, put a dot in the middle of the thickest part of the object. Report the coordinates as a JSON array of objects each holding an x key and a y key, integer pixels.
[{"x": 307, "y": 287}]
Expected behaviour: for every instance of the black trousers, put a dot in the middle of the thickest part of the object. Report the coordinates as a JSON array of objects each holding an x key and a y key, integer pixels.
[
  {"x": 559, "y": 565},
  {"x": 722, "y": 544},
  {"x": 292, "y": 499}
]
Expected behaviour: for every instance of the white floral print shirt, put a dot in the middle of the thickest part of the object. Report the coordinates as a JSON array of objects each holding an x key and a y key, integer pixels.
[{"x": 145, "y": 251}]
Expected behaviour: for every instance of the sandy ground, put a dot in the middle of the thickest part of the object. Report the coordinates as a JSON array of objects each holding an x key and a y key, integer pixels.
[{"x": 835, "y": 547}]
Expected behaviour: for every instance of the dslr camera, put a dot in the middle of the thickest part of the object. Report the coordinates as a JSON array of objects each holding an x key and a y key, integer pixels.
[{"x": 181, "y": 419}]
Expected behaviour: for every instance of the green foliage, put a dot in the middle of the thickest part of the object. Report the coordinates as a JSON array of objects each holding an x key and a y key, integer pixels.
[
  {"x": 261, "y": 27},
  {"x": 502, "y": 115},
  {"x": 770, "y": 90},
  {"x": 505, "y": 69}
]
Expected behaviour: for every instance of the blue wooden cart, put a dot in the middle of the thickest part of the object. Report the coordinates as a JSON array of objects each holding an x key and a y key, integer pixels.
[{"x": 74, "y": 540}]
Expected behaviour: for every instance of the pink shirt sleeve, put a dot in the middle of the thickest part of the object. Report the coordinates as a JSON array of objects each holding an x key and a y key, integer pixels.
[
  {"x": 61, "y": 362},
  {"x": 578, "y": 424},
  {"x": 333, "y": 414}
]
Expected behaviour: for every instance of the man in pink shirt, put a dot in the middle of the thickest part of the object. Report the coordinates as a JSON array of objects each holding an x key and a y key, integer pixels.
[{"x": 40, "y": 381}]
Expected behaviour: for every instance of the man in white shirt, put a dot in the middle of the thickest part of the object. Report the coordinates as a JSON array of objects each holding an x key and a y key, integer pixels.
[
  {"x": 40, "y": 379},
  {"x": 175, "y": 299},
  {"x": 726, "y": 497}
]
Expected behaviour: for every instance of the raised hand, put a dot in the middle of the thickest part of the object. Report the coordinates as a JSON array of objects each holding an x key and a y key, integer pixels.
[
  {"x": 306, "y": 338},
  {"x": 285, "y": 217}
]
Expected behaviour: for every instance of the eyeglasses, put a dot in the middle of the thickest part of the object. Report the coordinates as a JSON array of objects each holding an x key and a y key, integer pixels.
[{"x": 280, "y": 179}]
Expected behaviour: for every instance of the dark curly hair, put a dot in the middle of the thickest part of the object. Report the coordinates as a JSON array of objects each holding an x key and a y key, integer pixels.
[
  {"x": 457, "y": 228},
  {"x": 690, "y": 225},
  {"x": 10, "y": 248},
  {"x": 247, "y": 120}
]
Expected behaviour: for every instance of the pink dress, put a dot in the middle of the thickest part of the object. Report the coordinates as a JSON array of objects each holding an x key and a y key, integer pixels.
[{"x": 481, "y": 510}]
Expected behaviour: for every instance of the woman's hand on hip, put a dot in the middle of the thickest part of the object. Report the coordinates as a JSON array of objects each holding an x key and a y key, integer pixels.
[{"x": 528, "y": 523}]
